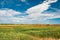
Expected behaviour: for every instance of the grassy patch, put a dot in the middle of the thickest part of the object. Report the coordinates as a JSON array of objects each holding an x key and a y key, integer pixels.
[{"x": 22, "y": 33}]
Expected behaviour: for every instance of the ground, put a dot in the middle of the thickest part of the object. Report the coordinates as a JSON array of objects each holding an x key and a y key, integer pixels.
[{"x": 29, "y": 32}]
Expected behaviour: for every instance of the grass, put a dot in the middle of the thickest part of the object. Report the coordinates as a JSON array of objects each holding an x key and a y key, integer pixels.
[{"x": 29, "y": 32}]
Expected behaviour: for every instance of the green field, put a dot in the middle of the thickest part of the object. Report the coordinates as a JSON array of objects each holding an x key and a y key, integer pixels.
[{"x": 30, "y": 32}]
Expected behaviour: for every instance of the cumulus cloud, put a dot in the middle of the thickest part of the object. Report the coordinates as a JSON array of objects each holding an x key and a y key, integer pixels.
[
  {"x": 32, "y": 18},
  {"x": 8, "y": 12},
  {"x": 36, "y": 15},
  {"x": 40, "y": 7},
  {"x": 36, "y": 11}
]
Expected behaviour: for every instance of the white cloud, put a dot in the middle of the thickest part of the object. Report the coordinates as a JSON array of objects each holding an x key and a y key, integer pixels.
[
  {"x": 32, "y": 18},
  {"x": 51, "y": 1},
  {"x": 23, "y": 0},
  {"x": 41, "y": 7},
  {"x": 8, "y": 12},
  {"x": 36, "y": 15},
  {"x": 38, "y": 9},
  {"x": 56, "y": 16}
]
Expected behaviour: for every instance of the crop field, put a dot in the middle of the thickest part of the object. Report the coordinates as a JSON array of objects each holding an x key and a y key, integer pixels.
[{"x": 29, "y": 32}]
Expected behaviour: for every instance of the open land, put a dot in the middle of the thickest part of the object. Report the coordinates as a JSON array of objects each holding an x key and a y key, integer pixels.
[{"x": 29, "y": 31}]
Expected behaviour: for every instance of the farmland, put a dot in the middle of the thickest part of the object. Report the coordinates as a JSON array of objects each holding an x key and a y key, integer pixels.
[{"x": 29, "y": 32}]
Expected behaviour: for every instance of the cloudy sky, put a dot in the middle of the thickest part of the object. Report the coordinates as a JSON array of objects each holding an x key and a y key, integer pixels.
[{"x": 29, "y": 11}]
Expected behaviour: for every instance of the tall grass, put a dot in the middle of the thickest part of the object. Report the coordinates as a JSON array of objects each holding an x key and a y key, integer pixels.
[{"x": 22, "y": 33}]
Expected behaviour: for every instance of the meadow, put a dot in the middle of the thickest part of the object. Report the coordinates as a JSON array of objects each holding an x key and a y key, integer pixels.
[{"x": 29, "y": 32}]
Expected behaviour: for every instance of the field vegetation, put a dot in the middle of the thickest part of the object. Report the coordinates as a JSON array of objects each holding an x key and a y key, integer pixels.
[{"x": 29, "y": 32}]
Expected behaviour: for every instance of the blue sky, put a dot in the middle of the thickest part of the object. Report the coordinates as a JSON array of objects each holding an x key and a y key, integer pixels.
[{"x": 23, "y": 12}]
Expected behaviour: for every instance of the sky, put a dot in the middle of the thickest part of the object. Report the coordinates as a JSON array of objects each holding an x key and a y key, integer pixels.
[{"x": 29, "y": 11}]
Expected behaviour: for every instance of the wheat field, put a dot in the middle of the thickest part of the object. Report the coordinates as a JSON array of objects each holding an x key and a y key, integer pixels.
[{"x": 29, "y": 32}]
